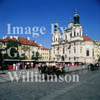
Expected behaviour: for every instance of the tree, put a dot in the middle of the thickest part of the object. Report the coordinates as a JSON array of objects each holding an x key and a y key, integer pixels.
[
  {"x": 36, "y": 55},
  {"x": 12, "y": 43},
  {"x": 23, "y": 57}
]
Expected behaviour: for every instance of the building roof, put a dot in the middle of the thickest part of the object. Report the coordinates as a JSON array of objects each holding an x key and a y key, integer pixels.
[
  {"x": 41, "y": 47},
  {"x": 24, "y": 41},
  {"x": 86, "y": 38},
  {"x": 68, "y": 29}
]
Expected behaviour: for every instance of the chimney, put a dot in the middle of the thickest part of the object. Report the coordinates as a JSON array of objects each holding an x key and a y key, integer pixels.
[
  {"x": 11, "y": 37},
  {"x": 28, "y": 38},
  {"x": 40, "y": 44},
  {"x": 3, "y": 37},
  {"x": 16, "y": 37}
]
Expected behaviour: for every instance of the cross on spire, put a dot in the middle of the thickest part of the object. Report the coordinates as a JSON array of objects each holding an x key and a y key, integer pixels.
[
  {"x": 76, "y": 11},
  {"x": 56, "y": 21}
]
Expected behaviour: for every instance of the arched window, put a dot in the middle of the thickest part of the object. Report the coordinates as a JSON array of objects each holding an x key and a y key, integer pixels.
[
  {"x": 87, "y": 52},
  {"x": 56, "y": 39},
  {"x": 77, "y": 34},
  {"x": 71, "y": 35},
  {"x": 74, "y": 33}
]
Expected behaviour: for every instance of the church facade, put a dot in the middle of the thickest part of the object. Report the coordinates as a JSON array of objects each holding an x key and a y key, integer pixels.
[{"x": 71, "y": 45}]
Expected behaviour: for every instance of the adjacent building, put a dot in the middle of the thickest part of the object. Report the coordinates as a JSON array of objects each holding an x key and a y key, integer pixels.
[
  {"x": 28, "y": 48},
  {"x": 45, "y": 53}
]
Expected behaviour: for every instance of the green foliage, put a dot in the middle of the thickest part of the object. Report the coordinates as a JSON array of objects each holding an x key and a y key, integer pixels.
[
  {"x": 12, "y": 43},
  {"x": 23, "y": 57},
  {"x": 36, "y": 56}
]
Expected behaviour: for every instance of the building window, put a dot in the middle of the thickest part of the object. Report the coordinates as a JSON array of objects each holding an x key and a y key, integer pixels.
[
  {"x": 66, "y": 37},
  {"x": 54, "y": 51},
  {"x": 69, "y": 51},
  {"x": 87, "y": 52},
  {"x": 80, "y": 31},
  {"x": 81, "y": 50},
  {"x": 74, "y": 58},
  {"x": 56, "y": 39},
  {"x": 74, "y": 34},
  {"x": 63, "y": 50},
  {"x": 93, "y": 52},
  {"x": 71, "y": 35},
  {"x": 77, "y": 34},
  {"x": 74, "y": 50}
]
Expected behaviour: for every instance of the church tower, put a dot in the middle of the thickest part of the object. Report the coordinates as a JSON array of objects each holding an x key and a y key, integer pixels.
[
  {"x": 56, "y": 38},
  {"x": 77, "y": 28},
  {"x": 76, "y": 17}
]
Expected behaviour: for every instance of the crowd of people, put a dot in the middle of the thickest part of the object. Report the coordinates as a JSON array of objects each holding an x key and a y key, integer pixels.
[
  {"x": 50, "y": 68},
  {"x": 21, "y": 65},
  {"x": 95, "y": 66}
]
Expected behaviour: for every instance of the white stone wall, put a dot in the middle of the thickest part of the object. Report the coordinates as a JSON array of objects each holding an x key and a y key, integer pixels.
[{"x": 75, "y": 49}]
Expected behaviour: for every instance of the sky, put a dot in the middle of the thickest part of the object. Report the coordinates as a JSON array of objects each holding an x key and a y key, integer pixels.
[{"x": 38, "y": 13}]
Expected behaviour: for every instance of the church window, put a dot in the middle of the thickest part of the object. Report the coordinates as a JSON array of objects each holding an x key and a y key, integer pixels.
[
  {"x": 54, "y": 51},
  {"x": 63, "y": 50},
  {"x": 71, "y": 35},
  {"x": 81, "y": 50},
  {"x": 66, "y": 37},
  {"x": 69, "y": 51},
  {"x": 77, "y": 34},
  {"x": 80, "y": 31},
  {"x": 56, "y": 39},
  {"x": 93, "y": 52},
  {"x": 74, "y": 33},
  {"x": 74, "y": 50},
  {"x": 74, "y": 58},
  {"x": 87, "y": 52}
]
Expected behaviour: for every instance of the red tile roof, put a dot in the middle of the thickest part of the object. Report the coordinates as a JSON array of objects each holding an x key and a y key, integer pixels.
[
  {"x": 86, "y": 38},
  {"x": 6, "y": 39},
  {"x": 41, "y": 47},
  {"x": 24, "y": 41}
]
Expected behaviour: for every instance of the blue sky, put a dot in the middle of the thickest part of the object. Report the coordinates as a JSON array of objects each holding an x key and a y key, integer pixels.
[{"x": 46, "y": 12}]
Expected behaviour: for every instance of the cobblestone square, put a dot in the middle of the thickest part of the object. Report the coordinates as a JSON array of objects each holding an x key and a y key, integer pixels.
[{"x": 87, "y": 89}]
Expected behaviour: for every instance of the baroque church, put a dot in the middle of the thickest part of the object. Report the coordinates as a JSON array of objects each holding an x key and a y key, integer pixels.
[{"x": 73, "y": 46}]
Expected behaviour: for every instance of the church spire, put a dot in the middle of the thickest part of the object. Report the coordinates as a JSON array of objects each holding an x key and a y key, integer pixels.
[
  {"x": 56, "y": 26},
  {"x": 76, "y": 11},
  {"x": 56, "y": 21},
  {"x": 70, "y": 20},
  {"x": 76, "y": 17}
]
